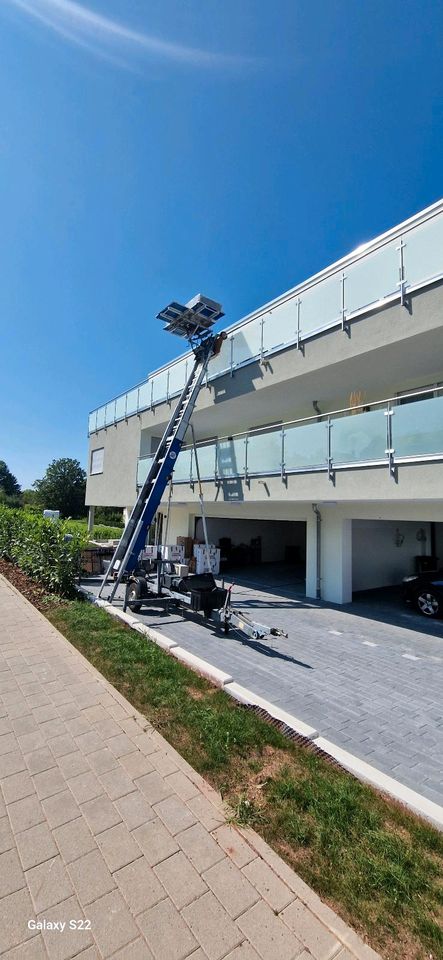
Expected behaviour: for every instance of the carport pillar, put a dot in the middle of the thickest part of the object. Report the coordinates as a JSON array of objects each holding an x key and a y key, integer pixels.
[
  {"x": 336, "y": 565},
  {"x": 312, "y": 540},
  {"x": 91, "y": 518}
]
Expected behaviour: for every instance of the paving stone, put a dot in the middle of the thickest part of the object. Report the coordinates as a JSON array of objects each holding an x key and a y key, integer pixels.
[
  {"x": 107, "y": 728},
  {"x": 319, "y": 941},
  {"x": 64, "y": 946},
  {"x": 102, "y": 760},
  {"x": 63, "y": 745},
  {"x": 139, "y": 885},
  {"x": 246, "y": 952},
  {"x": 163, "y": 762},
  {"x": 39, "y": 760},
  {"x": 180, "y": 880},
  {"x": 12, "y": 877},
  {"x": 206, "y": 812},
  {"x": 77, "y": 726},
  {"x": 101, "y": 814},
  {"x": 89, "y": 742},
  {"x": 48, "y": 884},
  {"x": 25, "y": 813},
  {"x": 118, "y": 847},
  {"x": 35, "y": 845},
  {"x": 231, "y": 887},
  {"x": 212, "y": 926},
  {"x": 182, "y": 785},
  {"x": 61, "y": 808},
  {"x": 155, "y": 841},
  {"x": 45, "y": 712},
  {"x": 73, "y": 764},
  {"x": 23, "y": 725},
  {"x": 85, "y": 786},
  {"x": 175, "y": 814},
  {"x": 8, "y": 743},
  {"x": 15, "y": 910},
  {"x": 74, "y": 839},
  {"x": 234, "y": 845},
  {"x": 31, "y": 741},
  {"x": 91, "y": 877},
  {"x": 48, "y": 782},
  {"x": 30, "y": 950},
  {"x": 268, "y": 934},
  {"x": 134, "y": 809},
  {"x": 121, "y": 745},
  {"x": 268, "y": 884},
  {"x": 11, "y": 763},
  {"x": 53, "y": 728},
  {"x": 167, "y": 934},
  {"x": 117, "y": 783},
  {"x": 6, "y": 836},
  {"x": 153, "y": 787},
  {"x": 138, "y": 950},
  {"x": 18, "y": 786},
  {"x": 136, "y": 764},
  {"x": 112, "y": 923},
  {"x": 200, "y": 848}
]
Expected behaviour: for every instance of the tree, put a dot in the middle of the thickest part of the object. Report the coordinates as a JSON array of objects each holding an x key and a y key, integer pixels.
[
  {"x": 8, "y": 483},
  {"x": 63, "y": 488}
]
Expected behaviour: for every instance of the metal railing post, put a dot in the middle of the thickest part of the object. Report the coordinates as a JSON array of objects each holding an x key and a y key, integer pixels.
[
  {"x": 401, "y": 271},
  {"x": 283, "y": 471},
  {"x": 390, "y": 451}
]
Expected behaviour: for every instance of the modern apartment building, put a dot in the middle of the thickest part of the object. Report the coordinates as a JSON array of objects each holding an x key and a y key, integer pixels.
[{"x": 319, "y": 430}]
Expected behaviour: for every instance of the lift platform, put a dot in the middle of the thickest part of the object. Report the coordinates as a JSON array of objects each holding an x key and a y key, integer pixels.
[{"x": 147, "y": 578}]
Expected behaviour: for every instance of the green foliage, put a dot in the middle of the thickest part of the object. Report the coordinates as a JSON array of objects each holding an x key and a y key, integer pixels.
[
  {"x": 63, "y": 488},
  {"x": 99, "y": 532},
  {"x": 9, "y": 485},
  {"x": 109, "y": 516},
  {"x": 44, "y": 549}
]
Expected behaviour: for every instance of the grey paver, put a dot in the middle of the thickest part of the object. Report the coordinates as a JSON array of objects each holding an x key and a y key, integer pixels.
[
  {"x": 100, "y": 813},
  {"x": 200, "y": 848},
  {"x": 63, "y": 946},
  {"x": 155, "y": 841},
  {"x": 85, "y": 786},
  {"x": 134, "y": 809},
  {"x": 112, "y": 923},
  {"x": 271, "y": 888},
  {"x": 153, "y": 786},
  {"x": 35, "y": 845},
  {"x": 12, "y": 877},
  {"x": 180, "y": 880},
  {"x": 116, "y": 783},
  {"x": 18, "y": 786},
  {"x": 48, "y": 782},
  {"x": 74, "y": 839},
  {"x": 118, "y": 846},
  {"x": 60, "y": 808},
  {"x": 212, "y": 926},
  {"x": 268, "y": 934},
  {"x": 313, "y": 934},
  {"x": 175, "y": 814},
  {"x": 139, "y": 885},
  {"x": 25, "y": 813},
  {"x": 231, "y": 887},
  {"x": 91, "y": 877},
  {"x": 233, "y": 844},
  {"x": 167, "y": 934},
  {"x": 15, "y": 910},
  {"x": 48, "y": 884}
]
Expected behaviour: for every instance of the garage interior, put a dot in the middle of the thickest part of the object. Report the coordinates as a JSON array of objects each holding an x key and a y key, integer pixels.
[
  {"x": 385, "y": 551},
  {"x": 271, "y": 551}
]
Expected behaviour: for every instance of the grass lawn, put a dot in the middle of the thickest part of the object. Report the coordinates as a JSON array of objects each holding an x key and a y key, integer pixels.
[{"x": 377, "y": 865}]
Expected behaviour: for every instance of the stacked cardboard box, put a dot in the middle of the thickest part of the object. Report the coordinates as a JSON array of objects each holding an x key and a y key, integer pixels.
[{"x": 207, "y": 558}]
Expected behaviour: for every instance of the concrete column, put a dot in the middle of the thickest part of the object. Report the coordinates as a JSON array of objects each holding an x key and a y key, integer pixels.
[
  {"x": 336, "y": 560},
  {"x": 91, "y": 518},
  {"x": 178, "y": 523},
  {"x": 311, "y": 557}
]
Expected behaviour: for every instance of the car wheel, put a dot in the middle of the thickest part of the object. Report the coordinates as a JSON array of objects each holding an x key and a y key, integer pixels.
[
  {"x": 428, "y": 603},
  {"x": 133, "y": 594}
]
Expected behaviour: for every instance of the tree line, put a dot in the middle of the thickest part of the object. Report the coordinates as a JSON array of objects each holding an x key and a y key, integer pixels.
[{"x": 63, "y": 487}]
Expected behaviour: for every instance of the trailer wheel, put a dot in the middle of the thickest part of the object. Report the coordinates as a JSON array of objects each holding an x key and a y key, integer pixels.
[{"x": 133, "y": 594}]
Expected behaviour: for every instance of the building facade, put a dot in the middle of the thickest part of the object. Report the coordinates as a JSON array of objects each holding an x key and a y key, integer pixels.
[{"x": 319, "y": 430}]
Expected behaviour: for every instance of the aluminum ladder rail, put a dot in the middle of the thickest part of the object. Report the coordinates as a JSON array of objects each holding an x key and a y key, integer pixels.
[{"x": 133, "y": 539}]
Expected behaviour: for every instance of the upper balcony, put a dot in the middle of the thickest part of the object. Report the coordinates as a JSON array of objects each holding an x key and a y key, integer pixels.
[{"x": 383, "y": 271}]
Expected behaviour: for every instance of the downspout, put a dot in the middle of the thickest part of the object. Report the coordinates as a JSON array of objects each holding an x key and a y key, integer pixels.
[{"x": 318, "y": 547}]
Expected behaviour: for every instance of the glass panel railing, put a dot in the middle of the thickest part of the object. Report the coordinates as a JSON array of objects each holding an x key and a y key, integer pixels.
[
  {"x": 372, "y": 278},
  {"x": 206, "y": 462},
  {"x": 132, "y": 401},
  {"x": 358, "y": 438},
  {"x": 423, "y": 251},
  {"x": 231, "y": 457},
  {"x": 417, "y": 428},
  {"x": 177, "y": 377},
  {"x": 306, "y": 446},
  {"x": 101, "y": 417},
  {"x": 247, "y": 342},
  {"x": 120, "y": 407},
  {"x": 160, "y": 387},
  {"x": 264, "y": 452},
  {"x": 222, "y": 362},
  {"x": 182, "y": 468},
  {"x": 280, "y": 325},
  {"x": 143, "y": 467},
  {"x": 92, "y": 421},
  {"x": 320, "y": 305},
  {"x": 110, "y": 413}
]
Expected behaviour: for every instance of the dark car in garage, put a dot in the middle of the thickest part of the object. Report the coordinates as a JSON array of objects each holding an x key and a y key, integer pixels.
[{"x": 425, "y": 592}]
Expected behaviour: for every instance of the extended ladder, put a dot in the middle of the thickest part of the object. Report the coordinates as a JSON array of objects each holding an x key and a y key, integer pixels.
[{"x": 133, "y": 540}]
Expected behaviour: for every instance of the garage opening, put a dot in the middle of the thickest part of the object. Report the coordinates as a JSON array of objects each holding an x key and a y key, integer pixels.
[{"x": 260, "y": 552}]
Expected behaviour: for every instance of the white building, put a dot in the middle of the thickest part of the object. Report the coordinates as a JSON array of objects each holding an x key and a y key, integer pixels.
[{"x": 320, "y": 428}]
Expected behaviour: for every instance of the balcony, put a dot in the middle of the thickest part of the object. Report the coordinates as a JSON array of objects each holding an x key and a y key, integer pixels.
[
  {"x": 384, "y": 434},
  {"x": 382, "y": 271}
]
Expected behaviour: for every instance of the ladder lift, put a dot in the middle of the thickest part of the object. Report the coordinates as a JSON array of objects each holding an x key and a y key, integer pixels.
[{"x": 145, "y": 578}]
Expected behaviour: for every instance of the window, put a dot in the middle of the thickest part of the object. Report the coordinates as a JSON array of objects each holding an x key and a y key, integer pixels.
[
  {"x": 97, "y": 461},
  {"x": 414, "y": 394}
]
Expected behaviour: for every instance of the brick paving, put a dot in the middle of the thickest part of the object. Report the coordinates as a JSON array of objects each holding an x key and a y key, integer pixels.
[{"x": 101, "y": 821}]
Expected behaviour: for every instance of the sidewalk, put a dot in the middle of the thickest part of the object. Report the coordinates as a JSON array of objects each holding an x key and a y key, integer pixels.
[{"x": 102, "y": 821}]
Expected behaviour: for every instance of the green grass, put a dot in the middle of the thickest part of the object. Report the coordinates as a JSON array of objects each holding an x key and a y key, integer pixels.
[
  {"x": 100, "y": 530},
  {"x": 376, "y": 864}
]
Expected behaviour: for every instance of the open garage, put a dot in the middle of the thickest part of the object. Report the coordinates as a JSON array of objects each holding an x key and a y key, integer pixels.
[
  {"x": 255, "y": 547},
  {"x": 385, "y": 551}
]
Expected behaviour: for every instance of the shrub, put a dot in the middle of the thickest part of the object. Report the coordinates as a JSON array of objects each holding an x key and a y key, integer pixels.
[{"x": 44, "y": 549}]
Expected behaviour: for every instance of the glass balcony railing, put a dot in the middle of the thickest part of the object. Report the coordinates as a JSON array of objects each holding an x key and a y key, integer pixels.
[
  {"x": 386, "y": 433},
  {"x": 390, "y": 266}
]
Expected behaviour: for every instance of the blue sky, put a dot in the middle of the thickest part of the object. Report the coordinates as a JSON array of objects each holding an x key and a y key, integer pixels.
[{"x": 149, "y": 150}]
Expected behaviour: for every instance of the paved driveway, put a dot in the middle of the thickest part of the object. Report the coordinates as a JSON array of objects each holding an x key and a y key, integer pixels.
[{"x": 368, "y": 677}]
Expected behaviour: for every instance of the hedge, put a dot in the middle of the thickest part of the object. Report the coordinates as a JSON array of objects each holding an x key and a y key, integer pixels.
[{"x": 45, "y": 549}]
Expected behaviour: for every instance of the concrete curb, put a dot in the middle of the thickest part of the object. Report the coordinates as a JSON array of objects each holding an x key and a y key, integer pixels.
[{"x": 430, "y": 811}]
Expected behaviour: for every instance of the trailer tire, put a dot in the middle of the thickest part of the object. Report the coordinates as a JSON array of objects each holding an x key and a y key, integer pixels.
[{"x": 133, "y": 594}]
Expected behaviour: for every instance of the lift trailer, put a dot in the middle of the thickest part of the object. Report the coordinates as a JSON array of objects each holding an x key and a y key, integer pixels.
[{"x": 145, "y": 578}]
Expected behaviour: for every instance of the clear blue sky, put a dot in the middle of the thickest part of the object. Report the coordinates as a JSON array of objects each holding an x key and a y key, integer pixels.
[{"x": 150, "y": 149}]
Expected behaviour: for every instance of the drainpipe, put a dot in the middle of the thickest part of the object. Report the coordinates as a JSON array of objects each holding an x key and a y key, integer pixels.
[{"x": 318, "y": 557}]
